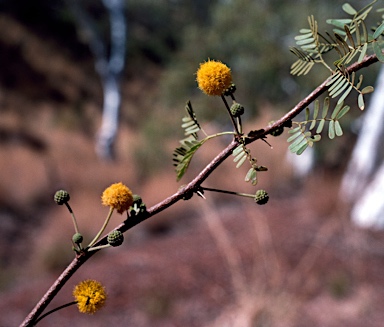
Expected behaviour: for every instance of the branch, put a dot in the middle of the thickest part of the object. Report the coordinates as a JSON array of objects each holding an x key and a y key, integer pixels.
[{"x": 192, "y": 187}]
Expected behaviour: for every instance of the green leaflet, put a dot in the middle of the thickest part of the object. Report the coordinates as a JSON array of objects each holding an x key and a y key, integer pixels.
[
  {"x": 367, "y": 89},
  {"x": 308, "y": 132},
  {"x": 349, "y": 9},
  {"x": 251, "y": 176},
  {"x": 338, "y": 129},
  {"x": 360, "y": 101},
  {"x": 320, "y": 126},
  {"x": 378, "y": 31},
  {"x": 340, "y": 23},
  {"x": 378, "y": 51},
  {"x": 363, "y": 52}
]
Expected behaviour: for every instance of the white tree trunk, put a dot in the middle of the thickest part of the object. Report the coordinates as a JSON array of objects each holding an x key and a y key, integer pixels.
[
  {"x": 363, "y": 182},
  {"x": 368, "y": 210},
  {"x": 109, "y": 68}
]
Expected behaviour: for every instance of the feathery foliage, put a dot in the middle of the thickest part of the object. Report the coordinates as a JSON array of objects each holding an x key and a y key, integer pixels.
[
  {"x": 182, "y": 155},
  {"x": 351, "y": 40}
]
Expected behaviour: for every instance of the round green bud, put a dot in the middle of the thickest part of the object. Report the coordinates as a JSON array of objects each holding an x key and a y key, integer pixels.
[
  {"x": 237, "y": 109},
  {"x": 261, "y": 197},
  {"x": 278, "y": 131},
  {"x": 115, "y": 238},
  {"x": 77, "y": 238},
  {"x": 61, "y": 197},
  {"x": 137, "y": 199},
  {"x": 187, "y": 195},
  {"x": 230, "y": 90},
  {"x": 138, "y": 206}
]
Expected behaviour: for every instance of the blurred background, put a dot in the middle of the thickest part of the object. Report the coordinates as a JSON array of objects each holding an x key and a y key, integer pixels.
[{"x": 93, "y": 92}]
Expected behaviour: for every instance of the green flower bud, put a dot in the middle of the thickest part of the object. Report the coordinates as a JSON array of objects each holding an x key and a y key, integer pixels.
[
  {"x": 187, "y": 195},
  {"x": 77, "y": 238},
  {"x": 137, "y": 199},
  {"x": 61, "y": 197},
  {"x": 237, "y": 109},
  {"x": 230, "y": 90},
  {"x": 138, "y": 206},
  {"x": 115, "y": 238},
  {"x": 261, "y": 197},
  {"x": 278, "y": 131}
]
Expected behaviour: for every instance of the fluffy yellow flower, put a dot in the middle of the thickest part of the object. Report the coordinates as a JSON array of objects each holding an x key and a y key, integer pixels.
[
  {"x": 117, "y": 196},
  {"x": 213, "y": 77},
  {"x": 90, "y": 296}
]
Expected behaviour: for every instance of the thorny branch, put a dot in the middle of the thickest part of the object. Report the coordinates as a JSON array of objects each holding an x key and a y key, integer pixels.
[{"x": 191, "y": 187}]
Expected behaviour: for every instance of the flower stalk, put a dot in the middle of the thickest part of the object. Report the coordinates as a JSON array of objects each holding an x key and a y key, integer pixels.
[
  {"x": 54, "y": 310},
  {"x": 234, "y": 123},
  {"x": 102, "y": 229},
  {"x": 75, "y": 225},
  {"x": 227, "y": 192}
]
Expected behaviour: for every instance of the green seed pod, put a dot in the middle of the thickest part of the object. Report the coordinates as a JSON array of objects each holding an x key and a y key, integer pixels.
[
  {"x": 237, "y": 109},
  {"x": 261, "y": 197},
  {"x": 230, "y": 90},
  {"x": 278, "y": 131},
  {"x": 77, "y": 238},
  {"x": 61, "y": 197},
  {"x": 115, "y": 238}
]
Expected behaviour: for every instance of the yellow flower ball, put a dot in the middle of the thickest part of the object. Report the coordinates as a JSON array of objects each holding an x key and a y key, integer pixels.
[
  {"x": 90, "y": 296},
  {"x": 117, "y": 196},
  {"x": 213, "y": 77}
]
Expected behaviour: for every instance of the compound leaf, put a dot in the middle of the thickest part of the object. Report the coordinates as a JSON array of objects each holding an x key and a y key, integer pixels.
[{"x": 182, "y": 155}]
